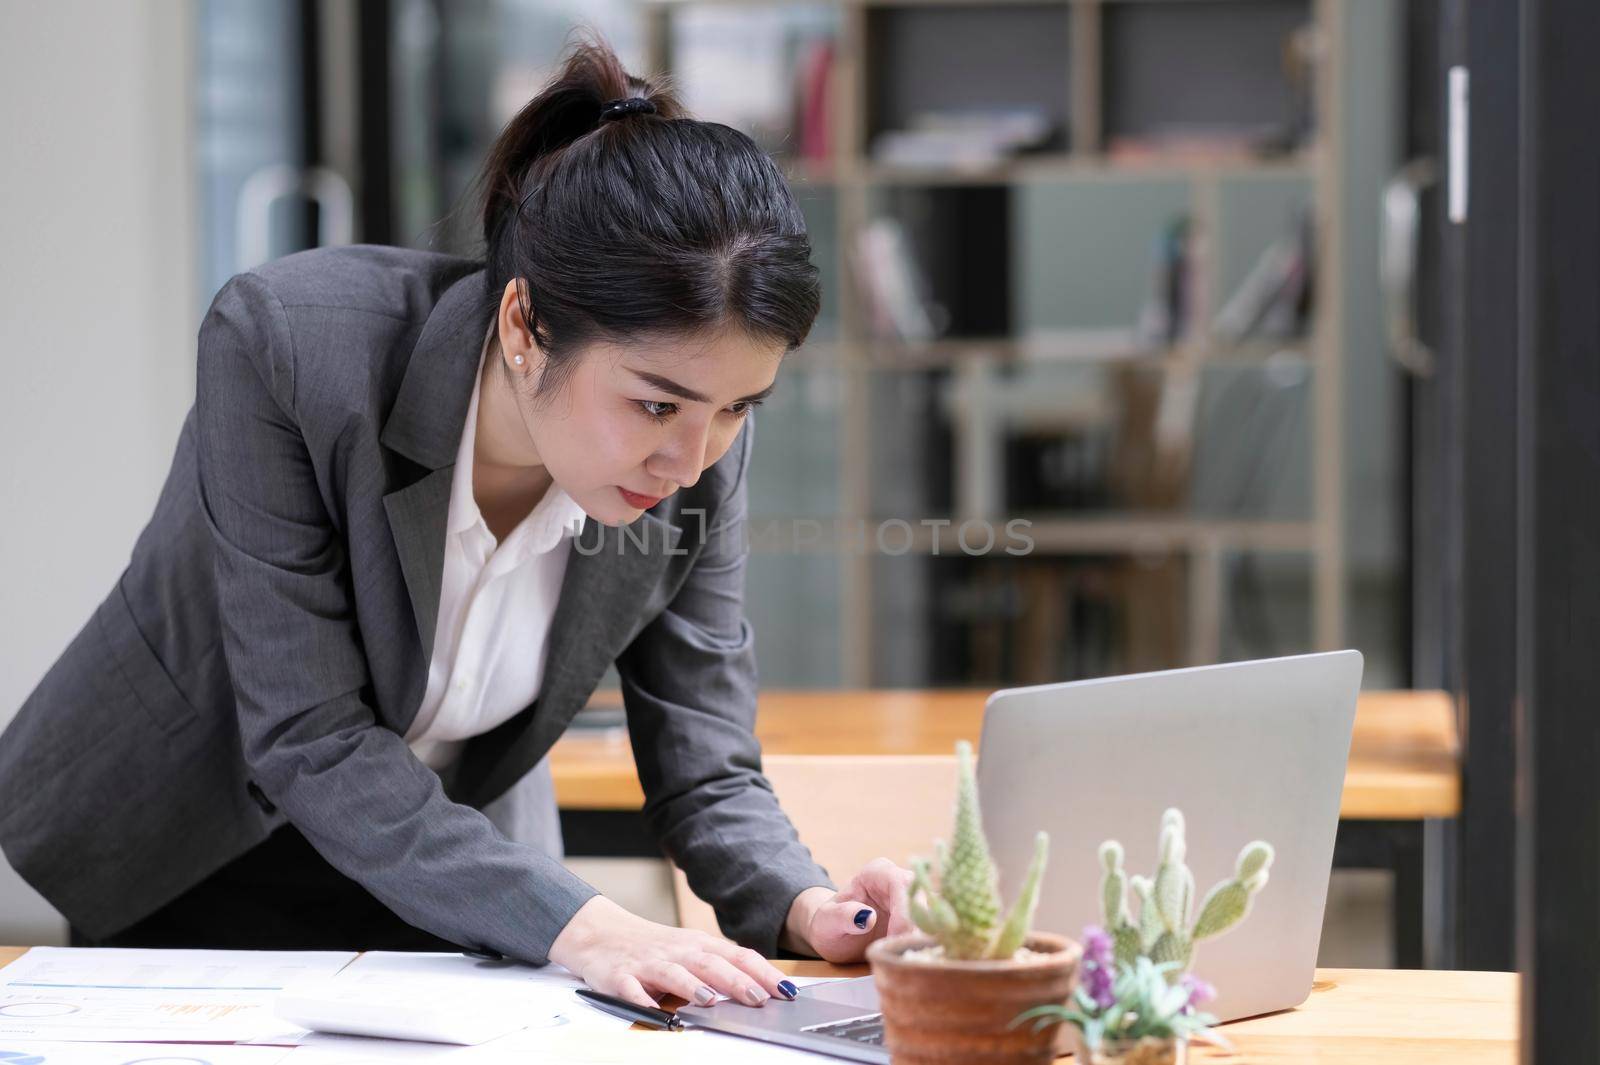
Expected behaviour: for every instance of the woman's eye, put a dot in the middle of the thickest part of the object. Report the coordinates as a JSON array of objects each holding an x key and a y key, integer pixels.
[
  {"x": 658, "y": 410},
  {"x": 743, "y": 407}
]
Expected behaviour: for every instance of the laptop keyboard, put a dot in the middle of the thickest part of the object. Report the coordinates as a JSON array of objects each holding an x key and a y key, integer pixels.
[{"x": 868, "y": 1029}]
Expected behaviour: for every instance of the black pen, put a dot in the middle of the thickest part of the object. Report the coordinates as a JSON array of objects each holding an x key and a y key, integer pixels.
[{"x": 628, "y": 1011}]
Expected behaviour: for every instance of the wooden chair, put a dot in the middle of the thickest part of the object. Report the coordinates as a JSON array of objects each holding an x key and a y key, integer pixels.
[{"x": 850, "y": 809}]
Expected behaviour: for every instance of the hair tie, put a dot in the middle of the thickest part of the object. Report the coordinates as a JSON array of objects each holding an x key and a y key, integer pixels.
[{"x": 632, "y": 105}]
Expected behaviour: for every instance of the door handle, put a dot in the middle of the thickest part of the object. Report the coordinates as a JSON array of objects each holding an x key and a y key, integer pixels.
[
  {"x": 1397, "y": 264},
  {"x": 253, "y": 218}
]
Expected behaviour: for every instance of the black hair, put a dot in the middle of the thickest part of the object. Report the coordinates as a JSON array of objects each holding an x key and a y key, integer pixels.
[{"x": 640, "y": 223}]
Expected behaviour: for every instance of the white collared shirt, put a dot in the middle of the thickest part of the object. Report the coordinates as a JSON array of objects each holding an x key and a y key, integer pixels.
[{"x": 496, "y": 602}]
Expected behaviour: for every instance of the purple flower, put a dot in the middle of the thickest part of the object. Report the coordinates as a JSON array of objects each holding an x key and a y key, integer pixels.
[
  {"x": 1200, "y": 992},
  {"x": 1097, "y": 945},
  {"x": 1099, "y": 971}
]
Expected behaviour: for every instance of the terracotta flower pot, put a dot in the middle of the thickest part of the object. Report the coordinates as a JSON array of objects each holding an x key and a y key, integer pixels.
[{"x": 960, "y": 1012}]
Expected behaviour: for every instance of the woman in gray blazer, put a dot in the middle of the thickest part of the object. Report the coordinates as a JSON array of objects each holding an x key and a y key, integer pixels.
[{"x": 228, "y": 753}]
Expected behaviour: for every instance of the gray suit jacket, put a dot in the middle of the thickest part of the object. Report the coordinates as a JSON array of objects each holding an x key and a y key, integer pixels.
[{"x": 267, "y": 647}]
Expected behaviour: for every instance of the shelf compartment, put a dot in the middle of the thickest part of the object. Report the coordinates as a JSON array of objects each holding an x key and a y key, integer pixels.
[
  {"x": 1265, "y": 607},
  {"x": 1084, "y": 252},
  {"x": 948, "y": 56},
  {"x": 1222, "y": 442},
  {"x": 794, "y": 469},
  {"x": 1178, "y": 74},
  {"x": 793, "y": 604}
]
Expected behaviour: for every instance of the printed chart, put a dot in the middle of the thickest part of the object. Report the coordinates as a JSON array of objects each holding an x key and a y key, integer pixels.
[{"x": 184, "y": 996}]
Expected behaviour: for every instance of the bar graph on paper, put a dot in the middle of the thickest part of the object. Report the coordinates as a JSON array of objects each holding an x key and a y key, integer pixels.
[
  {"x": 120, "y": 1016},
  {"x": 180, "y": 996}
]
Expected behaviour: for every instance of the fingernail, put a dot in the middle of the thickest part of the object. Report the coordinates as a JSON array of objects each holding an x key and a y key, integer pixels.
[
  {"x": 704, "y": 996},
  {"x": 755, "y": 996},
  {"x": 862, "y": 918},
  {"x": 788, "y": 989}
]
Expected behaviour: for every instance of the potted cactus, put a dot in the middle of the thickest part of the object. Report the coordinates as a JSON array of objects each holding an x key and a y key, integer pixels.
[
  {"x": 1138, "y": 1005},
  {"x": 951, "y": 991},
  {"x": 1163, "y": 932}
]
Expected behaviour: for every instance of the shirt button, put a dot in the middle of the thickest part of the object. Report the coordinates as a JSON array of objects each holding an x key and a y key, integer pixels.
[{"x": 463, "y": 684}]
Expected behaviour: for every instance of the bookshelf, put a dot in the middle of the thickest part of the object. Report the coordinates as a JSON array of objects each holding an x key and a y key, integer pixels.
[{"x": 1179, "y": 462}]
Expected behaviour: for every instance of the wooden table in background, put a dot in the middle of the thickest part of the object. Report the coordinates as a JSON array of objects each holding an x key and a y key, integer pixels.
[
  {"x": 1403, "y": 756},
  {"x": 1353, "y": 1017},
  {"x": 1404, "y": 770}
]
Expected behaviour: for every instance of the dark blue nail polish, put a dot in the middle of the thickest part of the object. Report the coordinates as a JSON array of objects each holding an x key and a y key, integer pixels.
[
  {"x": 788, "y": 989},
  {"x": 862, "y": 918}
]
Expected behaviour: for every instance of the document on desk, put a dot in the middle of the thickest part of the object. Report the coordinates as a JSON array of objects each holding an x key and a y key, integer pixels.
[
  {"x": 572, "y": 1044},
  {"x": 533, "y": 998},
  {"x": 562, "y": 1029},
  {"x": 108, "y": 994},
  {"x": 23, "y": 1052}
]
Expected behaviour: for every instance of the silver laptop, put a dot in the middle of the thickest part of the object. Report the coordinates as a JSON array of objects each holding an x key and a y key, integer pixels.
[{"x": 1249, "y": 750}]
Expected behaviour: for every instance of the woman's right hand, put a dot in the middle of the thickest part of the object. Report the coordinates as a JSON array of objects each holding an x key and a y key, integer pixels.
[{"x": 622, "y": 954}]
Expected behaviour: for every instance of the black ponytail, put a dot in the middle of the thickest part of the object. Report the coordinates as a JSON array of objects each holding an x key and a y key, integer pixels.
[{"x": 650, "y": 222}]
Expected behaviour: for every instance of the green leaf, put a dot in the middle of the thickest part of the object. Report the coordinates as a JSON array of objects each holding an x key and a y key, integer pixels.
[
  {"x": 1057, "y": 1012},
  {"x": 1173, "y": 1001}
]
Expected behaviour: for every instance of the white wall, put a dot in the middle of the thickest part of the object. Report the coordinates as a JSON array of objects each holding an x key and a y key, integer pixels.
[{"x": 97, "y": 320}]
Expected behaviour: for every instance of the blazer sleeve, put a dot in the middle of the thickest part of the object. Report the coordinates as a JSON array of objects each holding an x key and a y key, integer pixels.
[
  {"x": 689, "y": 686},
  {"x": 312, "y": 742}
]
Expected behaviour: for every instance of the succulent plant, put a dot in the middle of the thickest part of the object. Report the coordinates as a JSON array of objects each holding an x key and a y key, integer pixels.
[
  {"x": 1130, "y": 1001},
  {"x": 957, "y": 902},
  {"x": 1163, "y": 932}
]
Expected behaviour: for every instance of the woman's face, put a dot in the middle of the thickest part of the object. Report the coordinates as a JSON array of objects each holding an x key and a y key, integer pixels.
[{"x": 633, "y": 423}]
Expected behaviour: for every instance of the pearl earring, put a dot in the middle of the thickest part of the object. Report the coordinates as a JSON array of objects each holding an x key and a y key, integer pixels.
[{"x": 519, "y": 360}]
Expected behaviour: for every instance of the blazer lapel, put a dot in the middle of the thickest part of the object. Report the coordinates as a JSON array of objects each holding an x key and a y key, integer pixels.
[
  {"x": 609, "y": 578},
  {"x": 425, "y": 426},
  {"x": 418, "y": 515}
]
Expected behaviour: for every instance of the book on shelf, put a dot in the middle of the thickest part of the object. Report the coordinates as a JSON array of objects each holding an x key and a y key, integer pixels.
[
  {"x": 1194, "y": 145},
  {"x": 892, "y": 284},
  {"x": 762, "y": 70},
  {"x": 964, "y": 138},
  {"x": 814, "y": 71},
  {"x": 1252, "y": 455},
  {"x": 1174, "y": 289},
  {"x": 1274, "y": 299}
]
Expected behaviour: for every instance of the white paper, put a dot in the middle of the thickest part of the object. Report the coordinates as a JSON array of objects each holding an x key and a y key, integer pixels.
[
  {"x": 569, "y": 1032},
  {"x": 426, "y": 968},
  {"x": 126, "y": 995},
  {"x": 65, "y": 1053},
  {"x": 571, "y": 1044},
  {"x": 544, "y": 994}
]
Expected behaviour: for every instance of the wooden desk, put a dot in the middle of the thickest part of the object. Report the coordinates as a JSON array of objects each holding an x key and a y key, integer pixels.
[
  {"x": 1354, "y": 1017},
  {"x": 1363, "y": 1017},
  {"x": 1403, "y": 757}
]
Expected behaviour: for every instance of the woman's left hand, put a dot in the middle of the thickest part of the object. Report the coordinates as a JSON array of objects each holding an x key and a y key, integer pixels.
[{"x": 838, "y": 927}]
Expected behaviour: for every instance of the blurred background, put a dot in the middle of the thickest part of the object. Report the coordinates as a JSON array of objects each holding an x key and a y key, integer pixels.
[
  {"x": 1110, "y": 268},
  {"x": 1152, "y": 275}
]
